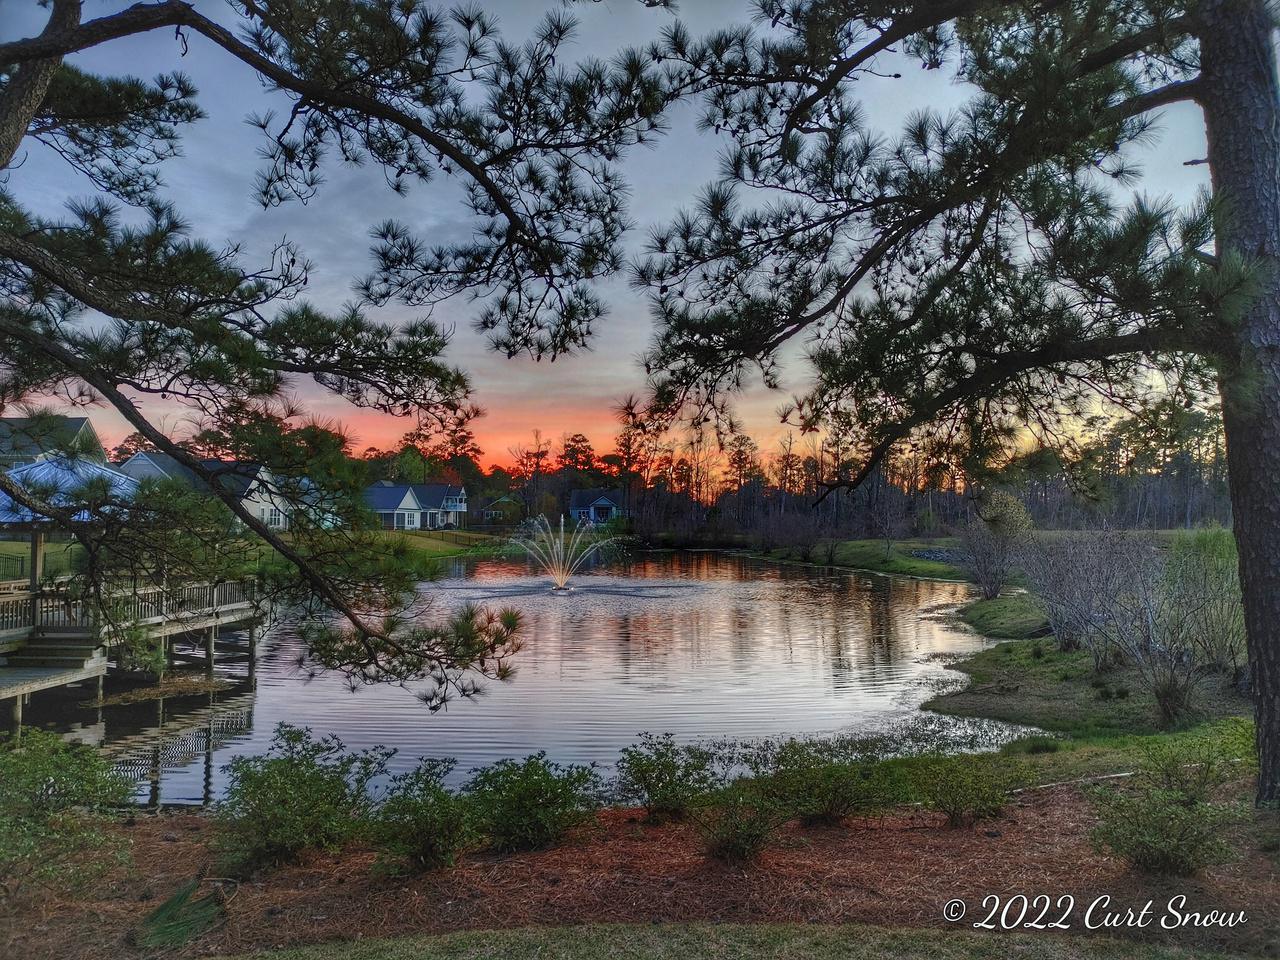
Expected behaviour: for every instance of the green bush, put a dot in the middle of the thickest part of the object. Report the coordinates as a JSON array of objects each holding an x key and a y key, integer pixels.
[
  {"x": 304, "y": 793},
  {"x": 1158, "y": 831},
  {"x": 52, "y": 797},
  {"x": 665, "y": 778},
  {"x": 421, "y": 821},
  {"x": 964, "y": 787},
  {"x": 1187, "y": 769},
  {"x": 532, "y": 804},
  {"x": 808, "y": 784},
  {"x": 740, "y": 824}
]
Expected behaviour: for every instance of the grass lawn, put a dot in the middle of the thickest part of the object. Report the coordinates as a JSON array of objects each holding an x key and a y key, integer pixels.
[
  {"x": 899, "y": 559},
  {"x": 456, "y": 543},
  {"x": 724, "y": 941},
  {"x": 16, "y": 554},
  {"x": 1014, "y": 616},
  {"x": 1032, "y": 682}
]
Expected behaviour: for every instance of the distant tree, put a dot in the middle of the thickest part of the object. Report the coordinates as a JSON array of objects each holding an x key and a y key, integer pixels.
[
  {"x": 577, "y": 454},
  {"x": 132, "y": 444},
  {"x": 529, "y": 469},
  {"x": 743, "y": 461},
  {"x": 412, "y": 466}
]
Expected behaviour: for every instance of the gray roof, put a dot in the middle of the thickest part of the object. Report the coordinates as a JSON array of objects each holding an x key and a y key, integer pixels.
[
  {"x": 62, "y": 481},
  {"x": 232, "y": 475},
  {"x": 432, "y": 495},
  {"x": 384, "y": 495},
  {"x": 32, "y": 436},
  {"x": 581, "y": 499}
]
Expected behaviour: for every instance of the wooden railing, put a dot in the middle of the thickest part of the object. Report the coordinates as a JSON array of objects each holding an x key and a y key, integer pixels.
[
  {"x": 15, "y": 611},
  {"x": 56, "y": 606}
]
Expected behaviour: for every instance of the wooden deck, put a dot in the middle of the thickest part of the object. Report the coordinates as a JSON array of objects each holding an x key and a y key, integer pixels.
[
  {"x": 22, "y": 681},
  {"x": 32, "y": 625}
]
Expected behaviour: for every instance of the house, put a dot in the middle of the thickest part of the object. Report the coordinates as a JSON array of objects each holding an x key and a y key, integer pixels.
[
  {"x": 417, "y": 506},
  {"x": 508, "y": 508},
  {"x": 596, "y": 506},
  {"x": 443, "y": 504},
  {"x": 395, "y": 504},
  {"x": 26, "y": 440},
  {"x": 251, "y": 484}
]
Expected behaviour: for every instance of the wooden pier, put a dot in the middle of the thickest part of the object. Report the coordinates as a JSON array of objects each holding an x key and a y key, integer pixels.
[{"x": 49, "y": 638}]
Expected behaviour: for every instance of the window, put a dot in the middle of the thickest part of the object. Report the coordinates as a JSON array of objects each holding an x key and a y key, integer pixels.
[
  {"x": 275, "y": 518},
  {"x": 400, "y": 521}
]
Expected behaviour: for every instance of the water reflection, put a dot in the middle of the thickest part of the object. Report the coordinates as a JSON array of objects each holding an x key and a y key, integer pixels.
[{"x": 704, "y": 645}]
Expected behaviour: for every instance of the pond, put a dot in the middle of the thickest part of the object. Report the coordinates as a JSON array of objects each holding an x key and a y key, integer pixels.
[{"x": 704, "y": 645}]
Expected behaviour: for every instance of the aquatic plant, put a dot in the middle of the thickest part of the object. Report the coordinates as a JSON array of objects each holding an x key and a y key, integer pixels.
[{"x": 561, "y": 552}]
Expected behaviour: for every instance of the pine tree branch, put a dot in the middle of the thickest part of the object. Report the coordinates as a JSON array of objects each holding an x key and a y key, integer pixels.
[
  {"x": 141, "y": 18},
  {"x": 24, "y": 93},
  {"x": 1001, "y": 370},
  {"x": 1181, "y": 91},
  {"x": 74, "y": 282},
  {"x": 933, "y": 15}
]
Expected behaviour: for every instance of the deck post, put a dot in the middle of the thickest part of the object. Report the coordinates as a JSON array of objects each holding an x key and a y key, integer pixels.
[
  {"x": 35, "y": 574},
  {"x": 210, "y": 642},
  {"x": 253, "y": 650},
  {"x": 17, "y": 714}
]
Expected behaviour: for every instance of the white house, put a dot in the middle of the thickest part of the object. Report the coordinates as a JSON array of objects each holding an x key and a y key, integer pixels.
[
  {"x": 417, "y": 506},
  {"x": 396, "y": 505},
  {"x": 250, "y": 483}
]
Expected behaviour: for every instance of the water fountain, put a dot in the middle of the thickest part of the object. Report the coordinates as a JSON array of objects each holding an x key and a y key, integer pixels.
[{"x": 561, "y": 553}]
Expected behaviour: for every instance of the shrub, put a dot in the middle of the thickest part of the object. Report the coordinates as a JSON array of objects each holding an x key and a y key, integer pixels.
[
  {"x": 1187, "y": 769},
  {"x": 1074, "y": 578},
  {"x": 1158, "y": 831},
  {"x": 991, "y": 543},
  {"x": 1205, "y": 563},
  {"x": 52, "y": 797},
  {"x": 305, "y": 792},
  {"x": 421, "y": 821},
  {"x": 740, "y": 825},
  {"x": 964, "y": 788},
  {"x": 532, "y": 804},
  {"x": 665, "y": 778},
  {"x": 808, "y": 784}
]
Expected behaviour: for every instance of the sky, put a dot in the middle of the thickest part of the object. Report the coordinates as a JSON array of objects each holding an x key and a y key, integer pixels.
[{"x": 212, "y": 186}]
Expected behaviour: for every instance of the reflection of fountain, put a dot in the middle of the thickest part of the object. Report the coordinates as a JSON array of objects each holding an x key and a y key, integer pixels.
[{"x": 561, "y": 553}]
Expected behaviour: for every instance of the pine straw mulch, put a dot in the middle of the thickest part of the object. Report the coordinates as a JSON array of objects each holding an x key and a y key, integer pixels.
[{"x": 895, "y": 871}]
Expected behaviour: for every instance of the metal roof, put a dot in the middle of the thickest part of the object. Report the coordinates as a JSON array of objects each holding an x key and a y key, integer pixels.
[{"x": 65, "y": 482}]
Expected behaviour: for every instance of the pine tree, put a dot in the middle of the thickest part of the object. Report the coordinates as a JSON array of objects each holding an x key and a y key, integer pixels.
[{"x": 992, "y": 271}]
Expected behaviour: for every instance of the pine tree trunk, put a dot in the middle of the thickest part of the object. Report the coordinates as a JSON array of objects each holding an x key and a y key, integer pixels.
[{"x": 1241, "y": 100}]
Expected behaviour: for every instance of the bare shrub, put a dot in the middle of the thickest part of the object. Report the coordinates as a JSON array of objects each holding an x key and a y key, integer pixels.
[
  {"x": 1206, "y": 564},
  {"x": 1075, "y": 578},
  {"x": 1175, "y": 614},
  {"x": 1166, "y": 621},
  {"x": 991, "y": 543}
]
